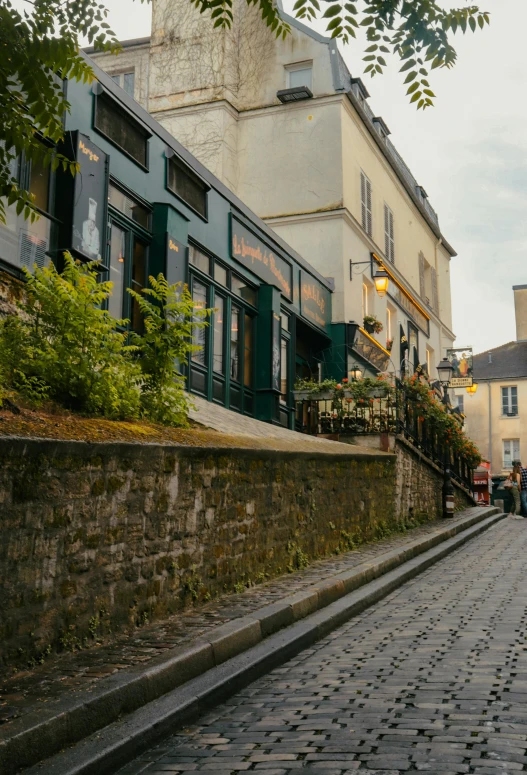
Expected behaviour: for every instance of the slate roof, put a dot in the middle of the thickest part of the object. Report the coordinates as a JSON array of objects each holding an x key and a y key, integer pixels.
[{"x": 507, "y": 362}]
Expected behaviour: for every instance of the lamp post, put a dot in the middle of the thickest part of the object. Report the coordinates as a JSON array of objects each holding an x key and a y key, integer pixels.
[
  {"x": 356, "y": 372},
  {"x": 444, "y": 370}
]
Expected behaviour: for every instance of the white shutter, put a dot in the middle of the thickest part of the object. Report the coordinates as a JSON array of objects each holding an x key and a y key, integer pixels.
[
  {"x": 422, "y": 290},
  {"x": 435, "y": 296},
  {"x": 389, "y": 241},
  {"x": 365, "y": 199}
]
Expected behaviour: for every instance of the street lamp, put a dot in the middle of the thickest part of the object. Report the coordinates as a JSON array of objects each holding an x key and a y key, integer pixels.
[
  {"x": 355, "y": 372},
  {"x": 471, "y": 389},
  {"x": 444, "y": 370},
  {"x": 381, "y": 279},
  {"x": 379, "y": 275}
]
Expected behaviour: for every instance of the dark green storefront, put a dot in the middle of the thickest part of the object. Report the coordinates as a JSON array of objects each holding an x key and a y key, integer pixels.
[{"x": 140, "y": 205}]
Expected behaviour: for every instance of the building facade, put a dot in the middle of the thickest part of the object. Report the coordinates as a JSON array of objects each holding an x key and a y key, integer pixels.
[
  {"x": 496, "y": 415},
  {"x": 284, "y": 124},
  {"x": 142, "y": 204}
]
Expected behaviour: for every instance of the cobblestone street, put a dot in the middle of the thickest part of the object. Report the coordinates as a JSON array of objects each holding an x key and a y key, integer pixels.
[{"x": 432, "y": 679}]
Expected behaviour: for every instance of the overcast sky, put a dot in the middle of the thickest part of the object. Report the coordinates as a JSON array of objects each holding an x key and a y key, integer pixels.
[{"x": 468, "y": 152}]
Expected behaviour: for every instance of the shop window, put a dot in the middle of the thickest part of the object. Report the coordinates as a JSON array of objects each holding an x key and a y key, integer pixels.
[
  {"x": 129, "y": 207},
  {"x": 248, "y": 352},
  {"x": 188, "y": 186},
  {"x": 126, "y": 81},
  {"x": 117, "y": 271},
  {"x": 220, "y": 274},
  {"x": 243, "y": 290},
  {"x": 200, "y": 260},
  {"x": 235, "y": 344},
  {"x": 121, "y": 129},
  {"x": 511, "y": 451},
  {"x": 39, "y": 180},
  {"x": 218, "y": 321},
  {"x": 430, "y": 361},
  {"x": 284, "y": 368},
  {"x": 413, "y": 339},
  {"x": 284, "y": 321},
  {"x": 199, "y": 297},
  {"x": 138, "y": 281},
  {"x": 460, "y": 400},
  {"x": 509, "y": 401}
]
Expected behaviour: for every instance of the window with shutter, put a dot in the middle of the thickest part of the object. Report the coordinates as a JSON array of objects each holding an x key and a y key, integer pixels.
[
  {"x": 435, "y": 295},
  {"x": 365, "y": 197},
  {"x": 509, "y": 401},
  {"x": 422, "y": 290},
  {"x": 511, "y": 451},
  {"x": 389, "y": 241}
]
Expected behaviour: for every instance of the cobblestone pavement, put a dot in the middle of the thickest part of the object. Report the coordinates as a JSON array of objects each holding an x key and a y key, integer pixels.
[
  {"x": 433, "y": 678},
  {"x": 28, "y": 690}
]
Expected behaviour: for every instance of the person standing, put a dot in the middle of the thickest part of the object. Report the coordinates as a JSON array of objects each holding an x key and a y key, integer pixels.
[
  {"x": 515, "y": 488},
  {"x": 523, "y": 488}
]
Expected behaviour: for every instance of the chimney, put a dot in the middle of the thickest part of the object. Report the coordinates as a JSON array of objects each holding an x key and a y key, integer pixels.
[{"x": 520, "y": 309}]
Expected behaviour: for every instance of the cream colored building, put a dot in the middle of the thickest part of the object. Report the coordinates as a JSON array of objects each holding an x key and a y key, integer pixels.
[
  {"x": 496, "y": 415},
  {"x": 284, "y": 124}
]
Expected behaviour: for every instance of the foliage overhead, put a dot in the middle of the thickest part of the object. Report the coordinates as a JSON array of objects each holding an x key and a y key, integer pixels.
[{"x": 39, "y": 47}]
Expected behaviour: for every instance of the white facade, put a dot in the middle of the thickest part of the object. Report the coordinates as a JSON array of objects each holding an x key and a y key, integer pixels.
[{"x": 302, "y": 165}]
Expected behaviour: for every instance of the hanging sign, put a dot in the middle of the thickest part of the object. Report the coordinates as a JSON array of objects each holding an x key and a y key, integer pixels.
[
  {"x": 315, "y": 301},
  {"x": 461, "y": 360},
  {"x": 260, "y": 258},
  {"x": 89, "y": 199}
]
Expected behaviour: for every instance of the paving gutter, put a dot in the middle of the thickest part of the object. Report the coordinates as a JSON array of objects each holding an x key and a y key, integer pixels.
[{"x": 180, "y": 685}]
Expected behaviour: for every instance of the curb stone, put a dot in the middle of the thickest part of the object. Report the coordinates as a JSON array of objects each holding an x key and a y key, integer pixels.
[{"x": 211, "y": 659}]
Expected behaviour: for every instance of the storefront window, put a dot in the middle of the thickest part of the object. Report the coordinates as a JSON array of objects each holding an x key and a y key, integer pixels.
[
  {"x": 199, "y": 296},
  {"x": 235, "y": 344},
  {"x": 244, "y": 291},
  {"x": 200, "y": 260},
  {"x": 220, "y": 275},
  {"x": 117, "y": 271},
  {"x": 138, "y": 281},
  {"x": 284, "y": 360},
  {"x": 219, "y": 314},
  {"x": 129, "y": 207},
  {"x": 39, "y": 177},
  {"x": 248, "y": 352}
]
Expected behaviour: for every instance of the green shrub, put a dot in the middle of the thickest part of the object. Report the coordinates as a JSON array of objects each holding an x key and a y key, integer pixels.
[
  {"x": 170, "y": 319},
  {"x": 64, "y": 347}
]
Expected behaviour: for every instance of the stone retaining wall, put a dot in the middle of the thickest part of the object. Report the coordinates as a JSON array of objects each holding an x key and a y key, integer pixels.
[{"x": 99, "y": 537}]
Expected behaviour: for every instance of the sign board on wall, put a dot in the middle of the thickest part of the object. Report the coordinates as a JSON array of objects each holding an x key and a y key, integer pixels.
[
  {"x": 90, "y": 199},
  {"x": 461, "y": 360},
  {"x": 315, "y": 301},
  {"x": 260, "y": 258},
  {"x": 409, "y": 307},
  {"x": 175, "y": 258}
]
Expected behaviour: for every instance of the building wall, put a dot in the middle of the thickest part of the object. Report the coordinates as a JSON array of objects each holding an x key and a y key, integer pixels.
[{"x": 489, "y": 436}]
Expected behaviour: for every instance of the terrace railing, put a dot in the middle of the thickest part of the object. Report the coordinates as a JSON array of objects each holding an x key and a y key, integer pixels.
[{"x": 329, "y": 414}]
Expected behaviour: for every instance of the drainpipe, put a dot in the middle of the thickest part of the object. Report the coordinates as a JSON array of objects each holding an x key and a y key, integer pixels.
[{"x": 490, "y": 427}]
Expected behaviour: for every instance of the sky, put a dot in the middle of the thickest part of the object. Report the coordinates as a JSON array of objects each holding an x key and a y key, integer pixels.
[{"x": 469, "y": 152}]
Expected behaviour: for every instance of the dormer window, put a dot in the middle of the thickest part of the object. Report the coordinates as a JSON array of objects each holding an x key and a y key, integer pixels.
[{"x": 300, "y": 74}]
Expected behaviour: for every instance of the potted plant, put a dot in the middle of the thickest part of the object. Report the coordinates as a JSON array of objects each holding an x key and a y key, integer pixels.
[
  {"x": 389, "y": 345},
  {"x": 372, "y": 325}
]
